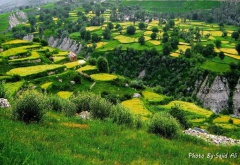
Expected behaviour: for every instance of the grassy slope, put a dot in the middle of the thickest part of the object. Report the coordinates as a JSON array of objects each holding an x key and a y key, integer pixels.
[
  {"x": 173, "y": 6},
  {"x": 4, "y": 21},
  {"x": 59, "y": 141}
]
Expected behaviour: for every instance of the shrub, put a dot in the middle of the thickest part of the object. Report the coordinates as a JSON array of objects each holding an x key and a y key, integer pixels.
[
  {"x": 64, "y": 106},
  {"x": 82, "y": 101},
  {"x": 29, "y": 107},
  {"x": 165, "y": 125},
  {"x": 99, "y": 107},
  {"x": 2, "y": 91},
  {"x": 122, "y": 116},
  {"x": 92, "y": 61},
  {"x": 216, "y": 130},
  {"x": 138, "y": 84},
  {"x": 179, "y": 115},
  {"x": 77, "y": 79},
  {"x": 68, "y": 108},
  {"x": 55, "y": 103}
]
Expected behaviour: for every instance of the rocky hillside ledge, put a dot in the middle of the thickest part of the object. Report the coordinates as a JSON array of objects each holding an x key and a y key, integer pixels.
[
  {"x": 215, "y": 95},
  {"x": 65, "y": 44},
  {"x": 214, "y": 139},
  {"x": 17, "y": 18}
]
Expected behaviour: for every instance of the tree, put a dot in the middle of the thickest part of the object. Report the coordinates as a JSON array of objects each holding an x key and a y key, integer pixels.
[
  {"x": 188, "y": 53},
  {"x": 95, "y": 37},
  {"x": 102, "y": 65},
  {"x": 208, "y": 50},
  {"x": 106, "y": 33},
  {"x": 171, "y": 23},
  {"x": 235, "y": 35},
  {"x": 165, "y": 37},
  {"x": 117, "y": 26},
  {"x": 141, "y": 25},
  {"x": 83, "y": 33},
  {"x": 141, "y": 40},
  {"x": 238, "y": 48},
  {"x": 131, "y": 30},
  {"x": 221, "y": 55},
  {"x": 87, "y": 36},
  {"x": 110, "y": 25},
  {"x": 155, "y": 29},
  {"x": 44, "y": 42},
  {"x": 167, "y": 48},
  {"x": 153, "y": 35},
  {"x": 218, "y": 43}
]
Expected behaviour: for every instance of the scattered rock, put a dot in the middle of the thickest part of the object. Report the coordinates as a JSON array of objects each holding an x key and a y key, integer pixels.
[
  {"x": 142, "y": 74},
  {"x": 28, "y": 37},
  {"x": 85, "y": 115},
  {"x": 214, "y": 139},
  {"x": 4, "y": 103},
  {"x": 136, "y": 95}
]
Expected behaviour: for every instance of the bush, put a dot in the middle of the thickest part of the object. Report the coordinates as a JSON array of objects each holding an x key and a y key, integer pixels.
[
  {"x": 216, "y": 130},
  {"x": 64, "y": 106},
  {"x": 2, "y": 91},
  {"x": 165, "y": 125},
  {"x": 82, "y": 101},
  {"x": 138, "y": 84},
  {"x": 68, "y": 108},
  {"x": 99, "y": 107},
  {"x": 29, "y": 107},
  {"x": 122, "y": 116},
  {"x": 92, "y": 61},
  {"x": 55, "y": 103},
  {"x": 179, "y": 115}
]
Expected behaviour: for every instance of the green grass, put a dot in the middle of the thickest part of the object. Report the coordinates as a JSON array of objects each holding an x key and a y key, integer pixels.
[
  {"x": 61, "y": 140},
  {"x": 32, "y": 70},
  {"x": 173, "y": 6},
  {"x": 4, "y": 21},
  {"x": 215, "y": 67},
  {"x": 14, "y": 87}
]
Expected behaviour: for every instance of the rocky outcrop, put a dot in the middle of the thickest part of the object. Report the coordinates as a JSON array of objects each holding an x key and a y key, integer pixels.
[
  {"x": 4, "y": 103},
  {"x": 214, "y": 139},
  {"x": 17, "y": 18},
  {"x": 28, "y": 37},
  {"x": 236, "y": 99},
  {"x": 65, "y": 44},
  {"x": 214, "y": 96}
]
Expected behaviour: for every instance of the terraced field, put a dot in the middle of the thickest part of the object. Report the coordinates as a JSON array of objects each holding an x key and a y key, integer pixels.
[
  {"x": 33, "y": 70},
  {"x": 136, "y": 106}
]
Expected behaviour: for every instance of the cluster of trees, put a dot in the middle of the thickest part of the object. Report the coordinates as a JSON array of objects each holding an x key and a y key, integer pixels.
[{"x": 177, "y": 75}]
